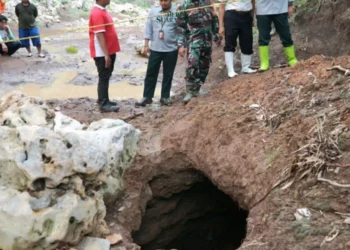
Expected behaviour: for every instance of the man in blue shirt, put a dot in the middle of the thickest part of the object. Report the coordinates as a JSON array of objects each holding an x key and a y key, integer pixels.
[
  {"x": 161, "y": 31},
  {"x": 276, "y": 12}
]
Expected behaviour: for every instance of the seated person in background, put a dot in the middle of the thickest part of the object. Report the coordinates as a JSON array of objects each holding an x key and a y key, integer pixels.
[{"x": 8, "y": 48}]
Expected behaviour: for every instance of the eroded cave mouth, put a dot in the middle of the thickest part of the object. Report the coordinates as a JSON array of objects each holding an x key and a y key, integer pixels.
[{"x": 188, "y": 212}]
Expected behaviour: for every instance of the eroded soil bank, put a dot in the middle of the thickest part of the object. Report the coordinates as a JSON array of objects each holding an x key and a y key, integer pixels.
[
  {"x": 240, "y": 144},
  {"x": 247, "y": 153}
]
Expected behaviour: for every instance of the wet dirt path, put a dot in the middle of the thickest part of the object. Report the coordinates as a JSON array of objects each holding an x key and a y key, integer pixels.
[{"x": 62, "y": 75}]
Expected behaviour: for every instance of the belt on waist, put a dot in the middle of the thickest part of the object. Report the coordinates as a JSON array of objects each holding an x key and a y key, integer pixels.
[{"x": 239, "y": 12}]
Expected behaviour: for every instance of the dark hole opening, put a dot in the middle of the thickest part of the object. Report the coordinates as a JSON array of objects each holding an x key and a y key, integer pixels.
[
  {"x": 46, "y": 159},
  {"x": 198, "y": 218},
  {"x": 71, "y": 220},
  {"x": 39, "y": 184}
]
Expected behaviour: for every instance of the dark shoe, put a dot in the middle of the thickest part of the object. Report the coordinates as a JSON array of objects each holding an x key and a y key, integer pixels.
[
  {"x": 143, "y": 102},
  {"x": 110, "y": 102},
  {"x": 107, "y": 107},
  {"x": 165, "y": 101}
]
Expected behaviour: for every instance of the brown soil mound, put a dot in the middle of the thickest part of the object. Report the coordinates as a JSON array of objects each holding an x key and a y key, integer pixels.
[
  {"x": 249, "y": 152},
  {"x": 323, "y": 27}
]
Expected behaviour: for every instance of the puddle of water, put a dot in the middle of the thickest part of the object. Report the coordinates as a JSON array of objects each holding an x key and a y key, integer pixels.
[{"x": 61, "y": 89}]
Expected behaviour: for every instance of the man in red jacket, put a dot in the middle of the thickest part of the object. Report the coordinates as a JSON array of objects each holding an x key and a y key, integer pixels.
[{"x": 104, "y": 45}]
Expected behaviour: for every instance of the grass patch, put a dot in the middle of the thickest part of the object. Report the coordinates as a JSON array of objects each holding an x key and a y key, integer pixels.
[
  {"x": 74, "y": 14},
  {"x": 144, "y": 4},
  {"x": 303, "y": 228},
  {"x": 72, "y": 50}
]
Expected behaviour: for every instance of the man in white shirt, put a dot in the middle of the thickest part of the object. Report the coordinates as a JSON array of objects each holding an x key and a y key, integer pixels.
[
  {"x": 236, "y": 19},
  {"x": 276, "y": 12}
]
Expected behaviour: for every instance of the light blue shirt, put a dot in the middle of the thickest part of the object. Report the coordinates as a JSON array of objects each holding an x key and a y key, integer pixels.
[
  {"x": 4, "y": 35},
  {"x": 167, "y": 23},
  {"x": 272, "y": 7}
]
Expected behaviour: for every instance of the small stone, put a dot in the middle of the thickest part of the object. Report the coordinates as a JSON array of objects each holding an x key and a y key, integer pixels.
[
  {"x": 57, "y": 108},
  {"x": 90, "y": 243},
  {"x": 114, "y": 239},
  {"x": 128, "y": 204},
  {"x": 347, "y": 220},
  {"x": 121, "y": 218}
]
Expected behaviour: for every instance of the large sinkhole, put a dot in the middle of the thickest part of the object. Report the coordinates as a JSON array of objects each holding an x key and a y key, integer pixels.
[{"x": 187, "y": 212}]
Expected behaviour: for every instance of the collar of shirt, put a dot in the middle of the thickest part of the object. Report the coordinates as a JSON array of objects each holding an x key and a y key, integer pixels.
[
  {"x": 25, "y": 5},
  {"x": 100, "y": 7},
  {"x": 171, "y": 9}
]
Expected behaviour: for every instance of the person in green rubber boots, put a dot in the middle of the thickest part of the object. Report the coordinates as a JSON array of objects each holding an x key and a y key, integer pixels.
[{"x": 276, "y": 12}]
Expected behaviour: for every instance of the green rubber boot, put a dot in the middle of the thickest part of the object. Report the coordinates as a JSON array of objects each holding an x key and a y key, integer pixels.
[
  {"x": 290, "y": 54},
  {"x": 264, "y": 58},
  {"x": 189, "y": 94}
]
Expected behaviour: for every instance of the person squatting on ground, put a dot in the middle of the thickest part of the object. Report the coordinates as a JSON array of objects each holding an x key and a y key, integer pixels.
[
  {"x": 236, "y": 20},
  {"x": 27, "y": 13},
  {"x": 276, "y": 12},
  {"x": 161, "y": 31},
  {"x": 196, "y": 30},
  {"x": 8, "y": 48},
  {"x": 104, "y": 45}
]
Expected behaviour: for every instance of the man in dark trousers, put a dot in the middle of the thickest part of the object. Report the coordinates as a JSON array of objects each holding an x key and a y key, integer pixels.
[
  {"x": 27, "y": 14},
  {"x": 104, "y": 45},
  {"x": 7, "y": 48},
  {"x": 161, "y": 31},
  {"x": 276, "y": 12},
  {"x": 236, "y": 19}
]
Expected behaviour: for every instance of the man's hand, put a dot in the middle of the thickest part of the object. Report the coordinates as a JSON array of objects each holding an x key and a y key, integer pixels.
[
  {"x": 146, "y": 50},
  {"x": 290, "y": 10},
  {"x": 221, "y": 31},
  {"x": 4, "y": 48},
  {"x": 108, "y": 62},
  {"x": 182, "y": 51}
]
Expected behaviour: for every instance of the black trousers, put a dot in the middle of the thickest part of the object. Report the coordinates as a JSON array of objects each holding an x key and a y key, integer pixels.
[
  {"x": 12, "y": 47},
  {"x": 104, "y": 75},
  {"x": 282, "y": 27},
  {"x": 238, "y": 25},
  {"x": 169, "y": 60}
]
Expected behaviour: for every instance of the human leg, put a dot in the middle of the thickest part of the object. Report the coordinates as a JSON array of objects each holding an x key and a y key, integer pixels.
[
  {"x": 264, "y": 26},
  {"x": 231, "y": 23}
]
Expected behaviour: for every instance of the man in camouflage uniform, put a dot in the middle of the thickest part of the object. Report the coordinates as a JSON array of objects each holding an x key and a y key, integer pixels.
[{"x": 196, "y": 30}]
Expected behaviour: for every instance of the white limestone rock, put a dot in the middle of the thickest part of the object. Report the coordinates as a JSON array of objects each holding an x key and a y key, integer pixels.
[
  {"x": 16, "y": 109},
  {"x": 63, "y": 122},
  {"x": 90, "y": 243},
  {"x": 67, "y": 220},
  {"x": 50, "y": 171}
]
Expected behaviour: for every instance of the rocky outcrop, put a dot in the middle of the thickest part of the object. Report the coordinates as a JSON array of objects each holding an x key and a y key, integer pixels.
[
  {"x": 51, "y": 10},
  {"x": 54, "y": 173}
]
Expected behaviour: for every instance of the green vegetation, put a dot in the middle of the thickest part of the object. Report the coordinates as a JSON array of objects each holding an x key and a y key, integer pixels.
[
  {"x": 73, "y": 14},
  {"x": 71, "y": 50},
  {"x": 303, "y": 228},
  {"x": 145, "y": 4}
]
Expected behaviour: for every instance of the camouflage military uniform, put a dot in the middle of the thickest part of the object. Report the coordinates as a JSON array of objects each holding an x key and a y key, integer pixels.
[{"x": 196, "y": 31}]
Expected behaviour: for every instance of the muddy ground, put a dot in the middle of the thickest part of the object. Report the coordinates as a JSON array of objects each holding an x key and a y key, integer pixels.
[{"x": 248, "y": 152}]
